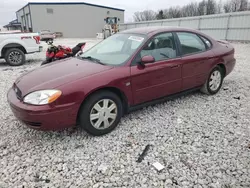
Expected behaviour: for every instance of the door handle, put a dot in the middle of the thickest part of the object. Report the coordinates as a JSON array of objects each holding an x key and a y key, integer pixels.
[{"x": 174, "y": 66}]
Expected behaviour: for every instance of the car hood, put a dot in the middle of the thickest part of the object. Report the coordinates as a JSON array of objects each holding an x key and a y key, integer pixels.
[{"x": 58, "y": 73}]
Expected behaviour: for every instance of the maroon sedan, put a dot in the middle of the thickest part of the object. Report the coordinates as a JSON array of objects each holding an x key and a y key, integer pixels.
[{"x": 130, "y": 69}]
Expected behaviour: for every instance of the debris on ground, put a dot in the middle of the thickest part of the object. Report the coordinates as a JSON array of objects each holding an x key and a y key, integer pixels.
[
  {"x": 102, "y": 168},
  {"x": 143, "y": 154},
  {"x": 248, "y": 146},
  {"x": 174, "y": 181},
  {"x": 159, "y": 167},
  {"x": 238, "y": 98}
]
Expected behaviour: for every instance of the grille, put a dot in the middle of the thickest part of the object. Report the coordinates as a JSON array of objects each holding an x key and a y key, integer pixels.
[{"x": 18, "y": 92}]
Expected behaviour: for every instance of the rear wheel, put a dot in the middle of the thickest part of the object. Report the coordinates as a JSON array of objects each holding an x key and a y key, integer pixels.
[
  {"x": 101, "y": 113},
  {"x": 15, "y": 57},
  {"x": 214, "y": 81},
  {"x": 106, "y": 34}
]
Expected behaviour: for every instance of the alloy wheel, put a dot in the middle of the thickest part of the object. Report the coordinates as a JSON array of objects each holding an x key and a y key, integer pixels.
[{"x": 15, "y": 57}]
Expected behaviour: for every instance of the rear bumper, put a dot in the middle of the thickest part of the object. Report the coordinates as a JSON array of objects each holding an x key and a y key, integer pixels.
[
  {"x": 46, "y": 117},
  {"x": 230, "y": 66},
  {"x": 40, "y": 48}
]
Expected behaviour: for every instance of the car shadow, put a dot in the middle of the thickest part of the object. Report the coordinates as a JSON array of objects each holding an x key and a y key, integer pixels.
[{"x": 78, "y": 131}]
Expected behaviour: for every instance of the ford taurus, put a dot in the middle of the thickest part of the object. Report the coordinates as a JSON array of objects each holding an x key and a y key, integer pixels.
[{"x": 129, "y": 69}]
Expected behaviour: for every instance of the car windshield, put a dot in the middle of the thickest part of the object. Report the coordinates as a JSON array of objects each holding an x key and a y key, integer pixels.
[{"x": 115, "y": 50}]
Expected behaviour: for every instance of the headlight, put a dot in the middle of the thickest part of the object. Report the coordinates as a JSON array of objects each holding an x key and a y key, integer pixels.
[{"x": 42, "y": 97}]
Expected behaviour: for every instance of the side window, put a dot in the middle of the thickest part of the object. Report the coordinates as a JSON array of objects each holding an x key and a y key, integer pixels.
[
  {"x": 161, "y": 47},
  {"x": 190, "y": 43}
]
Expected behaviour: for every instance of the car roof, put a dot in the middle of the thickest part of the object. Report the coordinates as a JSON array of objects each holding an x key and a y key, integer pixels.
[{"x": 156, "y": 29}]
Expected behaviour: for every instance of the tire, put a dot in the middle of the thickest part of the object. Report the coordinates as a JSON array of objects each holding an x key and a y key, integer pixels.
[
  {"x": 50, "y": 40},
  {"x": 15, "y": 57},
  {"x": 106, "y": 34},
  {"x": 45, "y": 62},
  {"x": 89, "y": 108},
  {"x": 210, "y": 87}
]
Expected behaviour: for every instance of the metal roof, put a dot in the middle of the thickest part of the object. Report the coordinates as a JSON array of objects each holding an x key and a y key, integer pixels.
[
  {"x": 12, "y": 23},
  {"x": 69, "y": 3}
]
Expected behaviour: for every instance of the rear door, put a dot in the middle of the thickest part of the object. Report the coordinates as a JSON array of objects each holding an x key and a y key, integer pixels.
[
  {"x": 196, "y": 59},
  {"x": 160, "y": 78}
]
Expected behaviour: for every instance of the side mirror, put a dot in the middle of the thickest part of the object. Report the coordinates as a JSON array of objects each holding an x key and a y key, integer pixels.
[{"x": 147, "y": 59}]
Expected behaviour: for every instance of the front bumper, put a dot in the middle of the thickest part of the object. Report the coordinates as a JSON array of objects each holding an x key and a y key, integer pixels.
[{"x": 46, "y": 117}]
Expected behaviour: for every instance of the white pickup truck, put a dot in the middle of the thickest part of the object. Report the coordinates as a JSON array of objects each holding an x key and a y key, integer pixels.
[{"x": 14, "y": 46}]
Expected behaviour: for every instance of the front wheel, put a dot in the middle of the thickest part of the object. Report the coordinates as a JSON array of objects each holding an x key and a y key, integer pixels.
[
  {"x": 214, "y": 81},
  {"x": 101, "y": 113}
]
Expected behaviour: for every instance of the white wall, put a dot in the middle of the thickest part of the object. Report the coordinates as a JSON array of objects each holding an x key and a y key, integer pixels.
[{"x": 230, "y": 26}]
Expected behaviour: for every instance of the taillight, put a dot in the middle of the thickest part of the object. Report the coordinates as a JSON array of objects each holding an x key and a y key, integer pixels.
[{"x": 37, "y": 39}]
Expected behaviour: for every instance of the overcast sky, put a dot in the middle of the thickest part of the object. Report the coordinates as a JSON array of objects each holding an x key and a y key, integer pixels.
[{"x": 9, "y": 7}]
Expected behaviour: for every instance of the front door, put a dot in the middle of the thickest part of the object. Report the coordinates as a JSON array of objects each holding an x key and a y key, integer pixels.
[{"x": 160, "y": 78}]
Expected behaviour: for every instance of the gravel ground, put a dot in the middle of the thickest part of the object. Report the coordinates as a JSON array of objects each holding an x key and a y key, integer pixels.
[{"x": 202, "y": 141}]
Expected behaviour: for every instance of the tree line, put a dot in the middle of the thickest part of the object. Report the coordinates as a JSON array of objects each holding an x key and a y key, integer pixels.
[{"x": 205, "y": 7}]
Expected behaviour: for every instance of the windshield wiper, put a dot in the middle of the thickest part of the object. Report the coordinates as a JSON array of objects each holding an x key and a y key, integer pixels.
[{"x": 93, "y": 59}]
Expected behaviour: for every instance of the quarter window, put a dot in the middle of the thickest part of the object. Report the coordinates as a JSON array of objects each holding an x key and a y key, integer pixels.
[
  {"x": 190, "y": 43},
  {"x": 208, "y": 43},
  {"x": 161, "y": 47}
]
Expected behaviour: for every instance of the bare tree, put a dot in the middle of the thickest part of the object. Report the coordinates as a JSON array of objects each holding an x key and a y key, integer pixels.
[
  {"x": 160, "y": 15},
  {"x": 173, "y": 12},
  {"x": 219, "y": 7},
  {"x": 235, "y": 5},
  {"x": 202, "y": 8},
  {"x": 190, "y": 9},
  {"x": 243, "y": 5},
  {"x": 227, "y": 7},
  {"x": 211, "y": 7},
  {"x": 145, "y": 15}
]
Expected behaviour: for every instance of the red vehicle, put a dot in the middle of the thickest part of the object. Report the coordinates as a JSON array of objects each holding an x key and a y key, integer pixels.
[
  {"x": 54, "y": 53},
  {"x": 126, "y": 71}
]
